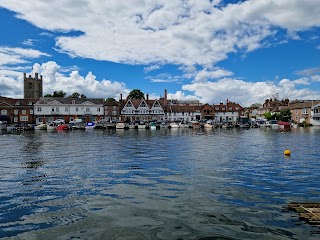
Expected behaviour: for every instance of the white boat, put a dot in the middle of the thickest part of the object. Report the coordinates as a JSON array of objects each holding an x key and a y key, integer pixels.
[
  {"x": 41, "y": 126},
  {"x": 194, "y": 124},
  {"x": 273, "y": 124},
  {"x": 141, "y": 125},
  {"x": 173, "y": 125},
  {"x": 207, "y": 125},
  {"x": 51, "y": 126},
  {"x": 120, "y": 125},
  {"x": 153, "y": 126}
]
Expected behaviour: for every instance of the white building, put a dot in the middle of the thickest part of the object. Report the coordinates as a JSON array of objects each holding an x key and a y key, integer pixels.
[{"x": 48, "y": 109}]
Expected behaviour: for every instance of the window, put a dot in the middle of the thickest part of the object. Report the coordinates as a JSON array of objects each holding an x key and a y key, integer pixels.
[
  {"x": 15, "y": 119},
  {"x": 16, "y": 112},
  {"x": 77, "y": 109},
  {"x": 87, "y": 109},
  {"x": 52, "y": 109},
  {"x": 305, "y": 111},
  {"x": 23, "y": 118},
  {"x": 24, "y": 111},
  {"x": 30, "y": 85},
  {"x": 39, "y": 109},
  {"x": 4, "y": 112},
  {"x": 115, "y": 107},
  {"x": 57, "y": 109},
  {"x": 98, "y": 109},
  {"x": 66, "y": 109},
  {"x": 31, "y": 111}
]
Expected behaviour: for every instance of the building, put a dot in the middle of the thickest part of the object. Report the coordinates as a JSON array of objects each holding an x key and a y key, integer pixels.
[
  {"x": 182, "y": 113},
  {"x": 229, "y": 112},
  {"x": 18, "y": 111},
  {"x": 272, "y": 105},
  {"x": 315, "y": 115},
  {"x": 301, "y": 111},
  {"x": 48, "y": 109},
  {"x": 32, "y": 86},
  {"x": 141, "y": 110}
]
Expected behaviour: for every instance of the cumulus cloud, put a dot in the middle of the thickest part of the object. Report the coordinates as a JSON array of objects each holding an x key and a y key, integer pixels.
[
  {"x": 247, "y": 93},
  {"x": 198, "y": 32},
  {"x": 11, "y": 82}
]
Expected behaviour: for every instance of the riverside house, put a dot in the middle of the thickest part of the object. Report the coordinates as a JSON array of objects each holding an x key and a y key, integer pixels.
[
  {"x": 18, "y": 111},
  {"x": 229, "y": 112},
  {"x": 301, "y": 111},
  {"x": 315, "y": 114},
  {"x": 48, "y": 109}
]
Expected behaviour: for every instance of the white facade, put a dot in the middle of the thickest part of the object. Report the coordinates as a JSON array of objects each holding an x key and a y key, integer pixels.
[
  {"x": 47, "y": 111},
  {"x": 315, "y": 115},
  {"x": 226, "y": 117},
  {"x": 182, "y": 116},
  {"x": 139, "y": 109}
]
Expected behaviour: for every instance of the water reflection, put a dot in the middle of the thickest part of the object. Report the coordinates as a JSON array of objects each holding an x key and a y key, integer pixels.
[{"x": 163, "y": 184}]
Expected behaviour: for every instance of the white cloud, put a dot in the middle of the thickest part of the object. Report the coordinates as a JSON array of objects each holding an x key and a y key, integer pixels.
[
  {"x": 159, "y": 31},
  {"x": 246, "y": 93},
  {"x": 11, "y": 82},
  {"x": 151, "y": 68},
  {"x": 205, "y": 74},
  {"x": 18, "y": 55}
]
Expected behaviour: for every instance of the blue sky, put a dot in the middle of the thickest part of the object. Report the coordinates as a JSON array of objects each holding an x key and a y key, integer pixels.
[{"x": 244, "y": 51}]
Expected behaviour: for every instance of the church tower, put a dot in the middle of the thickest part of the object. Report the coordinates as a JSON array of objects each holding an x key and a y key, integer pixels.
[{"x": 32, "y": 86}]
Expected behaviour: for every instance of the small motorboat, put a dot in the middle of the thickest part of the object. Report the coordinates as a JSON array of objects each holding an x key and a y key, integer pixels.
[
  {"x": 41, "y": 126},
  {"x": 63, "y": 127},
  {"x": 89, "y": 125}
]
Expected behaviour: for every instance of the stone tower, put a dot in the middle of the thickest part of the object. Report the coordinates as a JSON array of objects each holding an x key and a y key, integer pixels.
[{"x": 32, "y": 86}]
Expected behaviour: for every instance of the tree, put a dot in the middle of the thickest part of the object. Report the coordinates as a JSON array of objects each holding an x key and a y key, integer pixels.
[
  {"x": 59, "y": 94},
  {"x": 268, "y": 116},
  {"x": 285, "y": 115},
  {"x": 74, "y": 95},
  {"x": 136, "y": 94},
  {"x": 83, "y": 96},
  {"x": 48, "y": 95},
  {"x": 110, "y": 99}
]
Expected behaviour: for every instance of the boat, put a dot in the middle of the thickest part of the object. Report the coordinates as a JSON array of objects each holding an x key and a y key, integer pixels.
[
  {"x": 261, "y": 123},
  {"x": 273, "y": 124},
  {"x": 153, "y": 126},
  {"x": 141, "y": 125},
  {"x": 120, "y": 125},
  {"x": 173, "y": 125},
  {"x": 207, "y": 125},
  {"x": 63, "y": 127},
  {"x": 41, "y": 126},
  {"x": 194, "y": 124},
  {"x": 51, "y": 126},
  {"x": 89, "y": 125},
  {"x": 284, "y": 125}
]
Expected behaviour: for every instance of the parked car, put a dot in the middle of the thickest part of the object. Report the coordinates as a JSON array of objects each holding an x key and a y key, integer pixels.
[{"x": 58, "y": 121}]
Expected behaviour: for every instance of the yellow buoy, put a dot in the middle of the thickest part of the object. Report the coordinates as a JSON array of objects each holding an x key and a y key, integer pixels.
[{"x": 287, "y": 152}]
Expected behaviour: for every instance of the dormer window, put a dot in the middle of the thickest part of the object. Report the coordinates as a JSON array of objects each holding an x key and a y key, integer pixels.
[
  {"x": 73, "y": 101},
  {"x": 18, "y": 103}
]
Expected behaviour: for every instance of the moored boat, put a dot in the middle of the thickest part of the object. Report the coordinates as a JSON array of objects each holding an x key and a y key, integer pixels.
[
  {"x": 120, "y": 125},
  {"x": 41, "y": 126}
]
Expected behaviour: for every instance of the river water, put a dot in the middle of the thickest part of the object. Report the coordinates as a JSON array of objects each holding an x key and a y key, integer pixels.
[{"x": 161, "y": 184}]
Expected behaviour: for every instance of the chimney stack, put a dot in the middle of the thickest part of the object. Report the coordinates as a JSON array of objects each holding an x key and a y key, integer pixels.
[
  {"x": 120, "y": 96},
  {"x": 165, "y": 100}
]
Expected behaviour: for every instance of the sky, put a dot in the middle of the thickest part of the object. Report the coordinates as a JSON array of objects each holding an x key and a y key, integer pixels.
[{"x": 207, "y": 50}]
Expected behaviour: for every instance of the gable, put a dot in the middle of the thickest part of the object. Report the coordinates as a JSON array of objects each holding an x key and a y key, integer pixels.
[
  {"x": 143, "y": 104},
  {"x": 129, "y": 104},
  {"x": 87, "y": 103},
  {"x": 156, "y": 104},
  {"x": 4, "y": 104},
  {"x": 54, "y": 102}
]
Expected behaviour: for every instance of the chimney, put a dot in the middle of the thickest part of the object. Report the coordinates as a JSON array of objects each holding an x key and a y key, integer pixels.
[
  {"x": 165, "y": 100},
  {"x": 120, "y": 96},
  {"x": 36, "y": 76},
  {"x": 24, "y": 75},
  {"x": 147, "y": 97}
]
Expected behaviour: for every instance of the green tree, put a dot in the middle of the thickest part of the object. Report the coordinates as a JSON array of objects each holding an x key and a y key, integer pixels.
[
  {"x": 59, "y": 94},
  {"x": 74, "y": 95},
  {"x": 285, "y": 115},
  {"x": 48, "y": 95},
  {"x": 268, "y": 115},
  {"x": 83, "y": 96},
  {"x": 110, "y": 99},
  {"x": 136, "y": 94}
]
